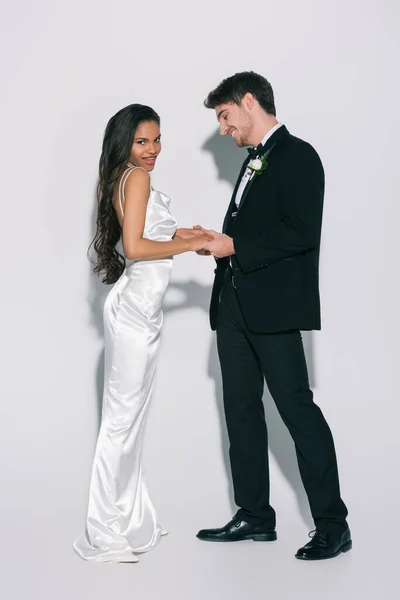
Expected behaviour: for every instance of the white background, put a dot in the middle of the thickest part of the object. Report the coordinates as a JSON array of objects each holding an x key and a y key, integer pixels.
[{"x": 67, "y": 67}]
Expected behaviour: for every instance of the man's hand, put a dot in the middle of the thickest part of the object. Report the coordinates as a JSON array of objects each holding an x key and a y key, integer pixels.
[
  {"x": 221, "y": 246},
  {"x": 197, "y": 229}
]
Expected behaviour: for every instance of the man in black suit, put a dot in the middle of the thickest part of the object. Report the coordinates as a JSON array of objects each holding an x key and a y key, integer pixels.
[{"x": 266, "y": 291}]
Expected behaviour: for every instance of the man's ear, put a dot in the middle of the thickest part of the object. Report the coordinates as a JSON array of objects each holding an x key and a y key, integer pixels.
[{"x": 248, "y": 101}]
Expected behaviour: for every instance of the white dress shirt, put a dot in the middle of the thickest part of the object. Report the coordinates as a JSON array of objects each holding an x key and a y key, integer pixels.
[{"x": 248, "y": 172}]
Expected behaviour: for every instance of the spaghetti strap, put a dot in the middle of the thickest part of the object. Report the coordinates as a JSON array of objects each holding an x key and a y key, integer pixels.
[{"x": 122, "y": 183}]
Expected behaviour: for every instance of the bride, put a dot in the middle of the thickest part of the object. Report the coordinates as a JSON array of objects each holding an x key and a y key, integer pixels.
[{"x": 121, "y": 520}]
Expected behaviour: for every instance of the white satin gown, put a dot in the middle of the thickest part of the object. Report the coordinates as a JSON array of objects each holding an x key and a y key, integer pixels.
[{"x": 121, "y": 520}]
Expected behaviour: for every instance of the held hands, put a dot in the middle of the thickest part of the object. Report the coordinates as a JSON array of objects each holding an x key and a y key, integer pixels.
[
  {"x": 220, "y": 246},
  {"x": 197, "y": 239},
  {"x": 197, "y": 243},
  {"x": 206, "y": 242},
  {"x": 184, "y": 233}
]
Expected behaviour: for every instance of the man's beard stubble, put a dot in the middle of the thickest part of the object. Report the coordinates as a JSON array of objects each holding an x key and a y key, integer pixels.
[{"x": 245, "y": 132}]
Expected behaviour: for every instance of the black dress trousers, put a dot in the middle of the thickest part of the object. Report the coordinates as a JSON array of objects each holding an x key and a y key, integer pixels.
[{"x": 246, "y": 359}]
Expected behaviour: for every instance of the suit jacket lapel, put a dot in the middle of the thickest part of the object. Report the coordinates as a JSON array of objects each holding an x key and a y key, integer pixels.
[
  {"x": 250, "y": 182},
  {"x": 232, "y": 205},
  {"x": 279, "y": 134}
]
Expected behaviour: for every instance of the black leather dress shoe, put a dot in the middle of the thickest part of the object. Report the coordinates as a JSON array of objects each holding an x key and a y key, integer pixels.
[
  {"x": 325, "y": 544},
  {"x": 236, "y": 531}
]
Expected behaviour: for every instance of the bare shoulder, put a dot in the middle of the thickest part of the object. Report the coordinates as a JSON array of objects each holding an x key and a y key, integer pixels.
[{"x": 137, "y": 180}]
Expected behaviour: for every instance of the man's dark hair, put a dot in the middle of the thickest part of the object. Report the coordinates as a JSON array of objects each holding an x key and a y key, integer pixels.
[{"x": 234, "y": 88}]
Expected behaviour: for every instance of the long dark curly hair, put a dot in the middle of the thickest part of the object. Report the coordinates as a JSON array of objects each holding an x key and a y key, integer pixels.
[{"x": 117, "y": 146}]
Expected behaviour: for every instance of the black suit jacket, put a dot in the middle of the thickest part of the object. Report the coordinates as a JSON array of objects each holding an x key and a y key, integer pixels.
[{"x": 276, "y": 234}]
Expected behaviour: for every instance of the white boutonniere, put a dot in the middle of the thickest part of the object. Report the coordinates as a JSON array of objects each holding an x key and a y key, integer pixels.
[
  {"x": 255, "y": 164},
  {"x": 258, "y": 165}
]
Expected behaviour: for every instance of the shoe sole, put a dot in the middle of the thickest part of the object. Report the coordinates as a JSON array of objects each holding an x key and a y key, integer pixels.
[
  {"x": 258, "y": 537},
  {"x": 345, "y": 548}
]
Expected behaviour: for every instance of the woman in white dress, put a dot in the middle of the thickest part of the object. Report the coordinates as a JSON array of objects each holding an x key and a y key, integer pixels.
[{"x": 121, "y": 520}]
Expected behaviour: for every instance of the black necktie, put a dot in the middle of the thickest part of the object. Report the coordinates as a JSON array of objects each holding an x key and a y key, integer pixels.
[{"x": 255, "y": 151}]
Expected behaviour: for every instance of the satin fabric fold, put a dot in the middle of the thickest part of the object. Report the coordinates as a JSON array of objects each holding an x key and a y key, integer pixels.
[{"x": 121, "y": 519}]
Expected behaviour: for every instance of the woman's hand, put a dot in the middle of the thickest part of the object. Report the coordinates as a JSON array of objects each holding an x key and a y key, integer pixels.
[{"x": 199, "y": 242}]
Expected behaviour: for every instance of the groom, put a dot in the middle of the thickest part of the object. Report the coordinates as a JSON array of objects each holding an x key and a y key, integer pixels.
[{"x": 266, "y": 291}]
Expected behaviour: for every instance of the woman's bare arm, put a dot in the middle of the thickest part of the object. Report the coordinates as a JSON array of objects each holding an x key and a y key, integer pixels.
[{"x": 137, "y": 192}]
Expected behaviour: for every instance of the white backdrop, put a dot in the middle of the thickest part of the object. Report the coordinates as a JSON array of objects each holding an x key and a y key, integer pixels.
[{"x": 67, "y": 67}]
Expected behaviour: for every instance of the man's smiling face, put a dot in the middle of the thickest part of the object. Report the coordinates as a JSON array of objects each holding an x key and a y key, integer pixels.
[{"x": 235, "y": 120}]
